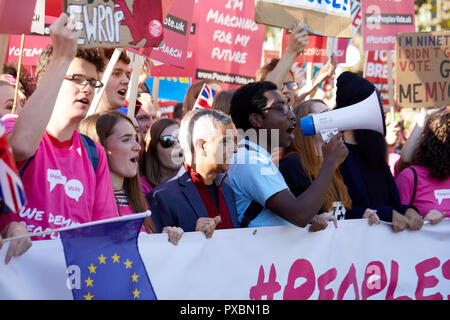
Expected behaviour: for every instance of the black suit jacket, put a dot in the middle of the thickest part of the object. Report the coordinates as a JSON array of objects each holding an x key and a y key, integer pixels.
[{"x": 177, "y": 202}]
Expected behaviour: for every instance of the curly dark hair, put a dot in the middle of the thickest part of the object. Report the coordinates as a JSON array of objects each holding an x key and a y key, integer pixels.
[
  {"x": 249, "y": 99},
  {"x": 433, "y": 151},
  {"x": 25, "y": 78}
]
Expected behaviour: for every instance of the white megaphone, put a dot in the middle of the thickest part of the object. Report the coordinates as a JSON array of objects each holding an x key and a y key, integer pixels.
[{"x": 367, "y": 114}]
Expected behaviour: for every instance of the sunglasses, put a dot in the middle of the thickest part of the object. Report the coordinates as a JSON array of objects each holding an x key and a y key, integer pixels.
[
  {"x": 291, "y": 85},
  {"x": 167, "y": 141}
]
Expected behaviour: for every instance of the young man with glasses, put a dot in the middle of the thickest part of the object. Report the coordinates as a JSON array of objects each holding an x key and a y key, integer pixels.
[
  {"x": 66, "y": 177},
  {"x": 263, "y": 198}
]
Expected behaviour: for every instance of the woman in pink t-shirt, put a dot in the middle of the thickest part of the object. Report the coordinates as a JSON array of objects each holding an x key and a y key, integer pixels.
[
  {"x": 117, "y": 134},
  {"x": 431, "y": 163}
]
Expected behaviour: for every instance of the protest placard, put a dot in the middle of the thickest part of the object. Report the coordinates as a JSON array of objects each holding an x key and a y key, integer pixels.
[
  {"x": 225, "y": 45},
  {"x": 118, "y": 23},
  {"x": 14, "y": 21},
  {"x": 422, "y": 73},
  {"x": 319, "y": 49},
  {"x": 325, "y": 18},
  {"x": 376, "y": 70},
  {"x": 382, "y": 20},
  {"x": 177, "y": 26}
]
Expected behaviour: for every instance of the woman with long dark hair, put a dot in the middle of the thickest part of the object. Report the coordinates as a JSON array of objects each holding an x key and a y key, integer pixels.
[
  {"x": 163, "y": 156},
  {"x": 117, "y": 134},
  {"x": 426, "y": 184}
]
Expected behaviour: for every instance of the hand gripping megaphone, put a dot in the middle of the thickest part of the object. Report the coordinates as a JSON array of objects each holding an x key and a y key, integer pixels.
[{"x": 366, "y": 114}]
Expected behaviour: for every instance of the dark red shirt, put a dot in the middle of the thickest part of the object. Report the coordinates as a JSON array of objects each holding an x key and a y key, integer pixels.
[{"x": 208, "y": 201}]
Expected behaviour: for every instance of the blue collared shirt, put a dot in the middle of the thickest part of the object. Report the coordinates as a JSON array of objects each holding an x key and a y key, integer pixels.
[{"x": 253, "y": 176}]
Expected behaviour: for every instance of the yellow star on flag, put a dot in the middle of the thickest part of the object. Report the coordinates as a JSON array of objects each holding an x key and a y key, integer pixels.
[
  {"x": 115, "y": 258},
  {"x": 89, "y": 296},
  {"x": 92, "y": 268},
  {"x": 135, "y": 277},
  {"x": 136, "y": 293},
  {"x": 128, "y": 264},
  {"x": 102, "y": 259},
  {"x": 89, "y": 282}
]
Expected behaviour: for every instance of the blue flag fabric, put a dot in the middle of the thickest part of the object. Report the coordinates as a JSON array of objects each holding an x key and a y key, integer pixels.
[{"x": 109, "y": 262}]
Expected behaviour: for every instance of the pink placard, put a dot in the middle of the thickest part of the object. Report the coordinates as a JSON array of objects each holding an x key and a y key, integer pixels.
[
  {"x": 382, "y": 20},
  {"x": 16, "y": 16},
  {"x": 226, "y": 45},
  {"x": 177, "y": 27}
]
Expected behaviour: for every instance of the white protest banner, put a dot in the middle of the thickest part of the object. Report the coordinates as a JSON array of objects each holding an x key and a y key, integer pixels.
[
  {"x": 353, "y": 261},
  {"x": 323, "y": 18}
]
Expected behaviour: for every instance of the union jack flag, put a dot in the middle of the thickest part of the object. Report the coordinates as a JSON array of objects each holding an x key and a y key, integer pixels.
[
  {"x": 12, "y": 193},
  {"x": 205, "y": 98}
]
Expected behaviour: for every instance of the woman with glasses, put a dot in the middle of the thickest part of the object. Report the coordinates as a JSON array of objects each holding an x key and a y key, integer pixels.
[
  {"x": 117, "y": 134},
  {"x": 163, "y": 156}
]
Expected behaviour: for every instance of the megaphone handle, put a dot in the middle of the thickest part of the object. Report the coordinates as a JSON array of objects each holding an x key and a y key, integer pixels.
[{"x": 328, "y": 134}]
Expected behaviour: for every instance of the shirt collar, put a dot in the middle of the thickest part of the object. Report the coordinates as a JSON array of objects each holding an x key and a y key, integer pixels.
[{"x": 255, "y": 146}]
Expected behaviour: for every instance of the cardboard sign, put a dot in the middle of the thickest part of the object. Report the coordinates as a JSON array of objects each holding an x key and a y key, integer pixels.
[
  {"x": 376, "y": 70},
  {"x": 324, "y": 18},
  {"x": 422, "y": 73},
  {"x": 382, "y": 20},
  {"x": 118, "y": 23},
  {"x": 16, "y": 16}
]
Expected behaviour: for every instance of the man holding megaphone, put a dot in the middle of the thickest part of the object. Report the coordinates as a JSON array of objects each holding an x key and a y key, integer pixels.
[
  {"x": 365, "y": 172},
  {"x": 263, "y": 198}
]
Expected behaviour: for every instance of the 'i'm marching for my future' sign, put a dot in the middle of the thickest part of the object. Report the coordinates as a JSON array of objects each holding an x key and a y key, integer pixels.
[{"x": 422, "y": 72}]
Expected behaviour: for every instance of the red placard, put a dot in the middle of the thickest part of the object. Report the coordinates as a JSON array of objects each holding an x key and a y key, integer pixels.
[
  {"x": 16, "y": 16},
  {"x": 376, "y": 70},
  {"x": 319, "y": 49},
  {"x": 177, "y": 29}
]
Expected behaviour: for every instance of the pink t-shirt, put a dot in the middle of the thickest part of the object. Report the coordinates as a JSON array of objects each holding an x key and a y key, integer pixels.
[
  {"x": 430, "y": 192},
  {"x": 62, "y": 189},
  {"x": 145, "y": 186}
]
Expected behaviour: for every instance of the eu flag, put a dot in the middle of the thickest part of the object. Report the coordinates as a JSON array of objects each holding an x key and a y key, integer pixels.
[{"x": 109, "y": 262}]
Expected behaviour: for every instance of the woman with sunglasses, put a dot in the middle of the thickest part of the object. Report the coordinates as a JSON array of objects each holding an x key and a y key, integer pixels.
[
  {"x": 163, "y": 156},
  {"x": 117, "y": 134}
]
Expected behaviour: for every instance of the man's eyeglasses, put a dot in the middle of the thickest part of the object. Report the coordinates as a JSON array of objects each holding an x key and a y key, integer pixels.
[
  {"x": 291, "y": 85},
  {"x": 284, "y": 108},
  {"x": 167, "y": 141},
  {"x": 83, "y": 81}
]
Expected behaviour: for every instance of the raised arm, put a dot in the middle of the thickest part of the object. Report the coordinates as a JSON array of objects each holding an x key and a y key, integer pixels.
[
  {"x": 297, "y": 44},
  {"x": 30, "y": 126}
]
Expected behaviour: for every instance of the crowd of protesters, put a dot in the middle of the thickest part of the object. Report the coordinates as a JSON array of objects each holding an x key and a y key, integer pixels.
[{"x": 209, "y": 169}]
